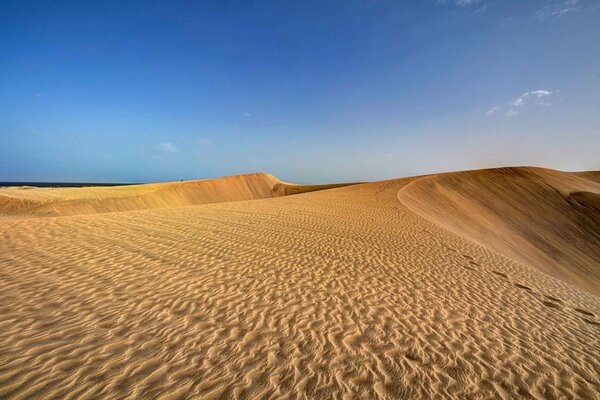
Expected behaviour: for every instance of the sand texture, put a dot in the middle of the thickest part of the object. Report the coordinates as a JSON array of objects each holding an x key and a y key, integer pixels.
[
  {"x": 543, "y": 218},
  {"x": 364, "y": 291},
  {"x": 28, "y": 201}
]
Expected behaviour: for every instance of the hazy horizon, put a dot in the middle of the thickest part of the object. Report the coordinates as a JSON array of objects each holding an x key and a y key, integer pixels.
[
  {"x": 74, "y": 183},
  {"x": 312, "y": 92}
]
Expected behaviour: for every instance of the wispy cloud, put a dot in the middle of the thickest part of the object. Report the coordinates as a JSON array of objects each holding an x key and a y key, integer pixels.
[
  {"x": 204, "y": 141},
  {"x": 539, "y": 97},
  {"x": 167, "y": 147},
  {"x": 460, "y": 3},
  {"x": 536, "y": 95},
  {"x": 519, "y": 101},
  {"x": 466, "y": 3},
  {"x": 557, "y": 9},
  {"x": 492, "y": 110}
]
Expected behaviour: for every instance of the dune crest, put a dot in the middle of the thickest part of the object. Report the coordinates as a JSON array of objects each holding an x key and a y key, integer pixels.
[
  {"x": 543, "y": 218},
  {"x": 99, "y": 199}
]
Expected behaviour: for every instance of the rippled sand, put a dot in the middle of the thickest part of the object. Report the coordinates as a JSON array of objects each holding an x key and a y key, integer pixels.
[
  {"x": 51, "y": 202},
  {"x": 344, "y": 293},
  {"x": 543, "y": 218}
]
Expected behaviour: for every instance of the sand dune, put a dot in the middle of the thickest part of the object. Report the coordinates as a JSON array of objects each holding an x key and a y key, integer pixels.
[
  {"x": 543, "y": 218},
  {"x": 590, "y": 199},
  {"x": 90, "y": 200},
  {"x": 344, "y": 293}
]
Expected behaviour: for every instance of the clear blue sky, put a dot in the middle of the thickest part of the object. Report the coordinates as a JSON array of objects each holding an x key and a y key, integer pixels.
[{"x": 311, "y": 91}]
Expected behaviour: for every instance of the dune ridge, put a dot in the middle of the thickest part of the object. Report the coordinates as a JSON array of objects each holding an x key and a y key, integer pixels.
[
  {"x": 343, "y": 293},
  {"x": 100, "y": 199},
  {"x": 540, "y": 217}
]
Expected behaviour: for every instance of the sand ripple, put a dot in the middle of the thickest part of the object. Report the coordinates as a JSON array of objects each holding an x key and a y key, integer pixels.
[{"x": 336, "y": 294}]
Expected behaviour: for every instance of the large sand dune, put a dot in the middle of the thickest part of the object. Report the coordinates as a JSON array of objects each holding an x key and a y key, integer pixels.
[
  {"x": 543, "y": 218},
  {"x": 99, "y": 199},
  {"x": 356, "y": 292}
]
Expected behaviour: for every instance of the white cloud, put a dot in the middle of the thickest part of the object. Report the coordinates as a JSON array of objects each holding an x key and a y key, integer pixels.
[
  {"x": 204, "y": 141},
  {"x": 535, "y": 94},
  {"x": 533, "y": 97},
  {"x": 466, "y": 3},
  {"x": 519, "y": 101},
  {"x": 460, "y": 3},
  {"x": 541, "y": 93},
  {"x": 557, "y": 9},
  {"x": 167, "y": 147}
]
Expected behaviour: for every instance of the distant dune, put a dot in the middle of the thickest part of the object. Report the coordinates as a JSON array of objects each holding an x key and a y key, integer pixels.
[
  {"x": 99, "y": 199},
  {"x": 467, "y": 285}
]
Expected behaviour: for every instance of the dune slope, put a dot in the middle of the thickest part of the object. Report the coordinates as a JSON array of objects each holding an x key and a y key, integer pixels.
[
  {"x": 343, "y": 293},
  {"x": 91, "y": 200},
  {"x": 547, "y": 219}
]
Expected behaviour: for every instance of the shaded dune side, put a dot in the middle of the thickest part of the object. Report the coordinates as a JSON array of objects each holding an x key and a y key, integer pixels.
[
  {"x": 535, "y": 216},
  {"x": 591, "y": 175},
  {"x": 288, "y": 189},
  {"x": 91, "y": 200},
  {"x": 587, "y": 198}
]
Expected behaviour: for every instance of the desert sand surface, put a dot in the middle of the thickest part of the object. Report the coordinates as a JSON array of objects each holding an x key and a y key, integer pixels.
[
  {"x": 56, "y": 201},
  {"x": 543, "y": 218},
  {"x": 408, "y": 288}
]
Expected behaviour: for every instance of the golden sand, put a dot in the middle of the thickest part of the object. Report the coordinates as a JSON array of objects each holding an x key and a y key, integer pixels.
[
  {"x": 19, "y": 201},
  {"x": 375, "y": 290}
]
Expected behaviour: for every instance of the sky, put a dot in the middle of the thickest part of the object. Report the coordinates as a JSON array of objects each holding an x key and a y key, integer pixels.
[{"x": 310, "y": 91}]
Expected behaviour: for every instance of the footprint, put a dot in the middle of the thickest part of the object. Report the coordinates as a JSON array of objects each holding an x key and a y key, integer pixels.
[
  {"x": 523, "y": 287},
  {"x": 589, "y": 321},
  {"x": 553, "y": 299},
  {"x": 413, "y": 356},
  {"x": 467, "y": 257},
  {"x": 450, "y": 248},
  {"x": 584, "y": 312},
  {"x": 550, "y": 304},
  {"x": 502, "y": 274},
  {"x": 474, "y": 263}
]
